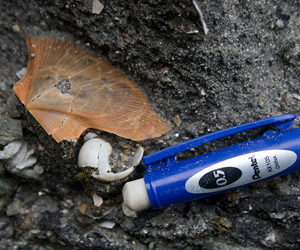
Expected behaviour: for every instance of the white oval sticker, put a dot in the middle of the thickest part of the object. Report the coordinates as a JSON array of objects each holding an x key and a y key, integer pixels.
[{"x": 240, "y": 170}]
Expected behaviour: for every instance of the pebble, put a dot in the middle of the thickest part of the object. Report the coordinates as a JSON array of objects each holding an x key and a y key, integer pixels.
[
  {"x": 82, "y": 207},
  {"x": 14, "y": 208},
  {"x": 177, "y": 120},
  {"x": 296, "y": 96},
  {"x": 129, "y": 225},
  {"x": 151, "y": 245},
  {"x": 280, "y": 23},
  {"x": 16, "y": 28}
]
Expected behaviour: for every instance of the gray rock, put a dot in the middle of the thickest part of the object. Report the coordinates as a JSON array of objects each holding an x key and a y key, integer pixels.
[
  {"x": 8, "y": 102},
  {"x": 10, "y": 129},
  {"x": 6, "y": 228},
  {"x": 2, "y": 169},
  {"x": 4, "y": 187}
]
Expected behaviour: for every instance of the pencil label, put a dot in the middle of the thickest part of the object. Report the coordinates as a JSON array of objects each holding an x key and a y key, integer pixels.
[{"x": 240, "y": 170}]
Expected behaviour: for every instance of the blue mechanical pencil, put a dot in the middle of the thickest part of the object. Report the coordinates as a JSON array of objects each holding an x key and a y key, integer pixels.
[{"x": 170, "y": 182}]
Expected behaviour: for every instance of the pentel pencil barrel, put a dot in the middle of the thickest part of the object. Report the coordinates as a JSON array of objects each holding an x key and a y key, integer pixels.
[{"x": 169, "y": 182}]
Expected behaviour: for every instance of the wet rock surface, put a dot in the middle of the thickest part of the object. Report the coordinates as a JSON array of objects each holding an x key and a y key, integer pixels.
[{"x": 246, "y": 69}]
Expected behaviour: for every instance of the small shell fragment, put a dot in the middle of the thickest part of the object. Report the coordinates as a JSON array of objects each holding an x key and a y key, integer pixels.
[
  {"x": 97, "y": 7},
  {"x": 97, "y": 200},
  {"x": 107, "y": 224},
  {"x": 22, "y": 72},
  {"x": 89, "y": 136}
]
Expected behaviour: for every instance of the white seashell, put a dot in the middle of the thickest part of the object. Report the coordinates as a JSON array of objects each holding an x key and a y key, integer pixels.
[
  {"x": 95, "y": 153},
  {"x": 113, "y": 176},
  {"x": 137, "y": 156},
  {"x": 20, "y": 160},
  {"x": 89, "y": 136}
]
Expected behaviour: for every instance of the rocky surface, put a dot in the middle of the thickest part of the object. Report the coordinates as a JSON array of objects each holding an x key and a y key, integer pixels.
[{"x": 246, "y": 69}]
